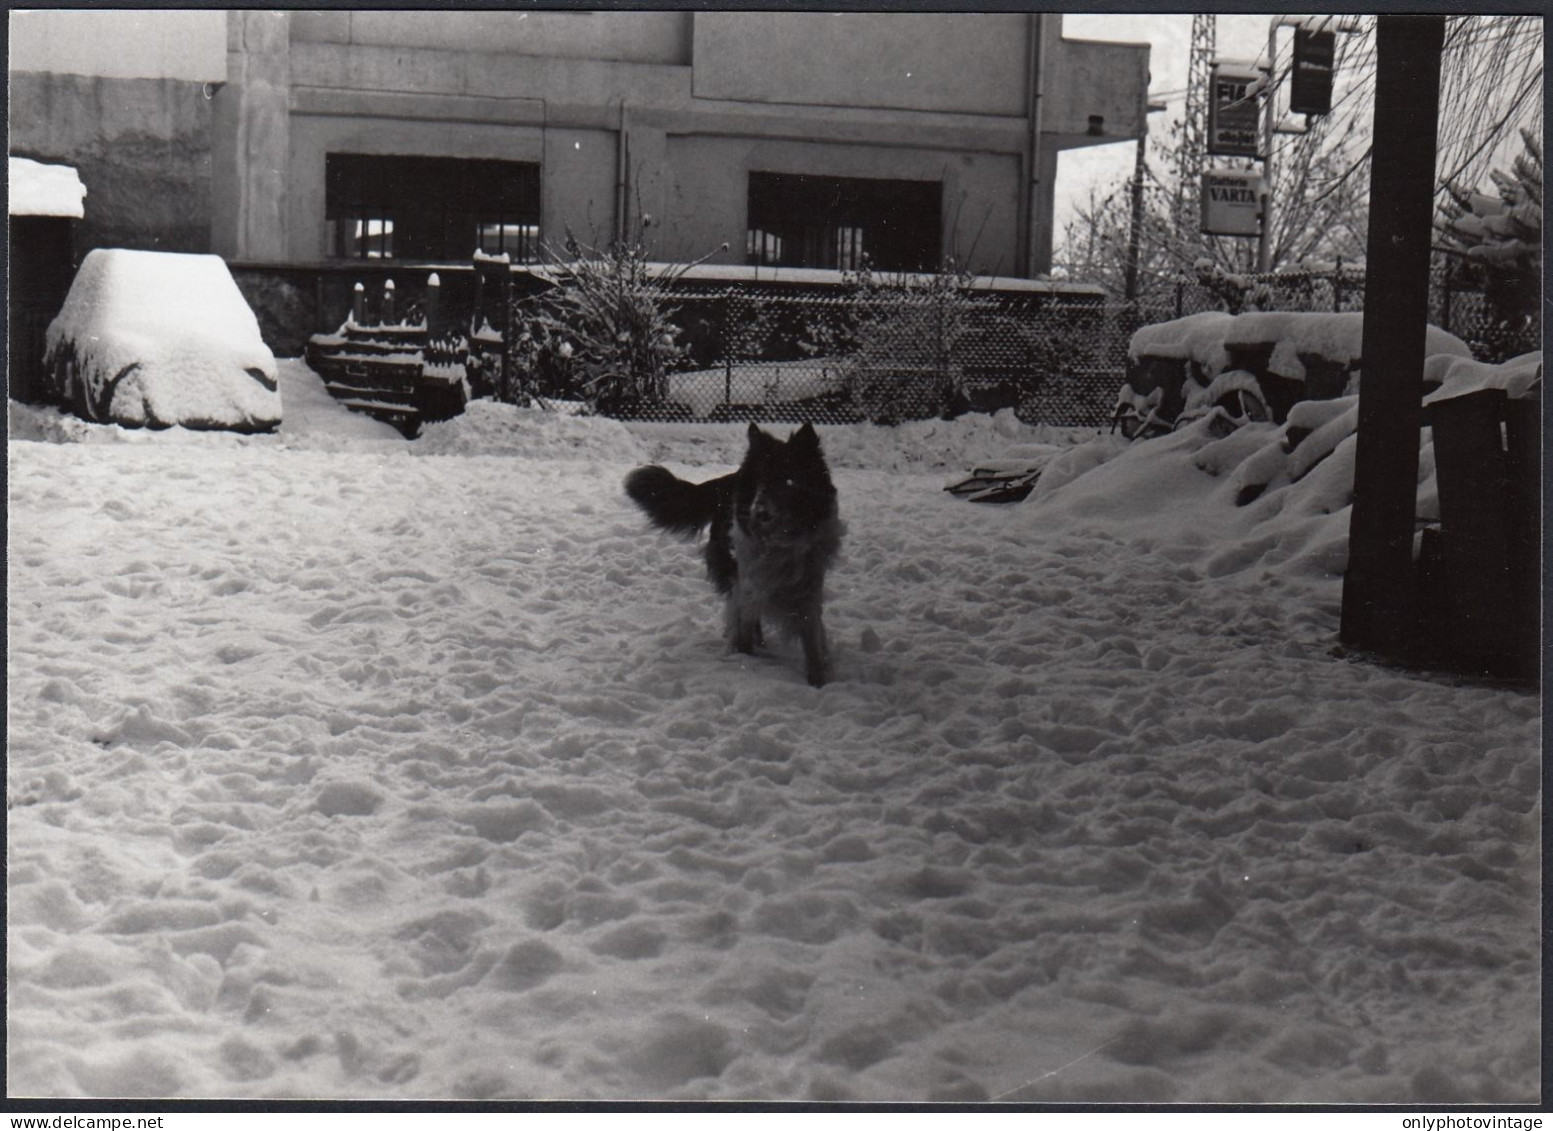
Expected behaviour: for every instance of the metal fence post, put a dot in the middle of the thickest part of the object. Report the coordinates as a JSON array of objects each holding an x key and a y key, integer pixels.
[
  {"x": 727, "y": 348},
  {"x": 1446, "y": 295}
]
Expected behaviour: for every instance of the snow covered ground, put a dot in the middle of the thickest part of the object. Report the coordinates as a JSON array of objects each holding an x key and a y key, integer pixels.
[{"x": 344, "y": 766}]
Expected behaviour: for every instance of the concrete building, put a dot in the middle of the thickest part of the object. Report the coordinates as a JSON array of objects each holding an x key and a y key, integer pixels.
[{"x": 307, "y": 138}]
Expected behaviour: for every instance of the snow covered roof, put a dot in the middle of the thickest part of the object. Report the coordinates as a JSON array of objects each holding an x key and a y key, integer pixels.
[
  {"x": 37, "y": 189},
  {"x": 1458, "y": 376}
]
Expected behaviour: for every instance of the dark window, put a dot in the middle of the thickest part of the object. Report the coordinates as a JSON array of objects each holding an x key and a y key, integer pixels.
[
  {"x": 381, "y": 207},
  {"x": 797, "y": 220}
]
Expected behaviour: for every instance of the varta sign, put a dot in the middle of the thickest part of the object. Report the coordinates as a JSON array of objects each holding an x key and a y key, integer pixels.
[{"x": 1232, "y": 203}]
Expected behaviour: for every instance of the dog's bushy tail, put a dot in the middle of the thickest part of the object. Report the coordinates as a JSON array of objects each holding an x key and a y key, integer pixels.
[{"x": 670, "y": 502}]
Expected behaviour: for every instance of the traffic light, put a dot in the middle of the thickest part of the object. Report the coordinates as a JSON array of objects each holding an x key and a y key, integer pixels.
[{"x": 1310, "y": 79}]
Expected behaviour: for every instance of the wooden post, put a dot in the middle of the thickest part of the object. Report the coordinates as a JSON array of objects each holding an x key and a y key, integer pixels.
[
  {"x": 1377, "y": 589},
  {"x": 359, "y": 304},
  {"x": 387, "y": 318}
]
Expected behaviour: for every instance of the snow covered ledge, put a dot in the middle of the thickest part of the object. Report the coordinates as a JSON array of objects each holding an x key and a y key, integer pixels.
[{"x": 157, "y": 339}]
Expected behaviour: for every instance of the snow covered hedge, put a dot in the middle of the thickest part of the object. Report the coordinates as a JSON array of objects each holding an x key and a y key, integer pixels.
[
  {"x": 156, "y": 339},
  {"x": 1253, "y": 366}
]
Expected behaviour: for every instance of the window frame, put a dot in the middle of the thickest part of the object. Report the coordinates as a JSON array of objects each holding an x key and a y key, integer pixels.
[
  {"x": 427, "y": 208},
  {"x": 841, "y": 223}
]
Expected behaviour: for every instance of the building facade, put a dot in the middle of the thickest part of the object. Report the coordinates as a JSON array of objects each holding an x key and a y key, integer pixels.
[{"x": 803, "y": 139}]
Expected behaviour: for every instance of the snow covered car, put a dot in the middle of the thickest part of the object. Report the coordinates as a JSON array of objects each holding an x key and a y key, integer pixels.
[
  {"x": 156, "y": 339},
  {"x": 1252, "y": 366}
]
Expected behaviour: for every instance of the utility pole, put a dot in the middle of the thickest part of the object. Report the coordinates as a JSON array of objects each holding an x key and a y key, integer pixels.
[
  {"x": 1135, "y": 228},
  {"x": 1378, "y": 608}
]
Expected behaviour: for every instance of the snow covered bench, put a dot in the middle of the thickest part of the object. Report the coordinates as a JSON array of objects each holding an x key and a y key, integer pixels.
[{"x": 1253, "y": 366}]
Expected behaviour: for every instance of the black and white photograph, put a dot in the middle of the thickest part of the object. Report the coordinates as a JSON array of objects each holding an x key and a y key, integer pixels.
[{"x": 837, "y": 557}]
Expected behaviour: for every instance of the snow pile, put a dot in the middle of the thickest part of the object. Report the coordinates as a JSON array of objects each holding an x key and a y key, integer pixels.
[
  {"x": 314, "y": 420},
  {"x": 1196, "y": 337},
  {"x": 1457, "y": 376},
  {"x": 1337, "y": 338},
  {"x": 36, "y": 189},
  {"x": 334, "y": 771},
  {"x": 1179, "y": 370},
  {"x": 488, "y": 427},
  {"x": 1280, "y": 506},
  {"x": 159, "y": 339}
]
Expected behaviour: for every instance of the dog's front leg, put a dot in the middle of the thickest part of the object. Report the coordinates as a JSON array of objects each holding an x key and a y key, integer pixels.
[
  {"x": 815, "y": 662},
  {"x": 743, "y": 625}
]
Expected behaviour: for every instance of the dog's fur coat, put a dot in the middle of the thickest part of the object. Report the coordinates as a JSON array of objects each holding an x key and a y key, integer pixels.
[{"x": 775, "y": 532}]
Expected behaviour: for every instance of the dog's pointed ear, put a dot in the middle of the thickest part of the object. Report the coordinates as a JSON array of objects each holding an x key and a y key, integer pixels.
[
  {"x": 806, "y": 437},
  {"x": 755, "y": 434}
]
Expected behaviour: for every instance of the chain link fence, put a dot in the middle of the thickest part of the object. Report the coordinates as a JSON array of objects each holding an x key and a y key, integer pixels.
[
  {"x": 883, "y": 355},
  {"x": 890, "y": 354}
]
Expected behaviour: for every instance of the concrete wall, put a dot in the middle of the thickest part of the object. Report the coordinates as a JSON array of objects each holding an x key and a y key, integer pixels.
[
  {"x": 912, "y": 61},
  {"x": 639, "y": 37},
  {"x": 142, "y": 147},
  {"x": 125, "y": 97},
  {"x": 148, "y": 44},
  {"x": 705, "y": 198},
  {"x": 1087, "y": 79}
]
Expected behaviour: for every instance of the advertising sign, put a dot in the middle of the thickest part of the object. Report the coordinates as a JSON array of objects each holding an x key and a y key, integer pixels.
[
  {"x": 1310, "y": 80},
  {"x": 1232, "y": 116},
  {"x": 1232, "y": 202}
]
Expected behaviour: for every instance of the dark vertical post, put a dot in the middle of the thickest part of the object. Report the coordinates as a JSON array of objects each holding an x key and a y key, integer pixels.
[
  {"x": 479, "y": 303},
  {"x": 728, "y": 300},
  {"x": 359, "y": 304},
  {"x": 433, "y": 305},
  {"x": 1135, "y": 222},
  {"x": 1450, "y": 281},
  {"x": 1377, "y": 590}
]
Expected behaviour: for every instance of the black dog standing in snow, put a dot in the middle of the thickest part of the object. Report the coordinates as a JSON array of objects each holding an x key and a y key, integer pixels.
[{"x": 775, "y": 532}]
